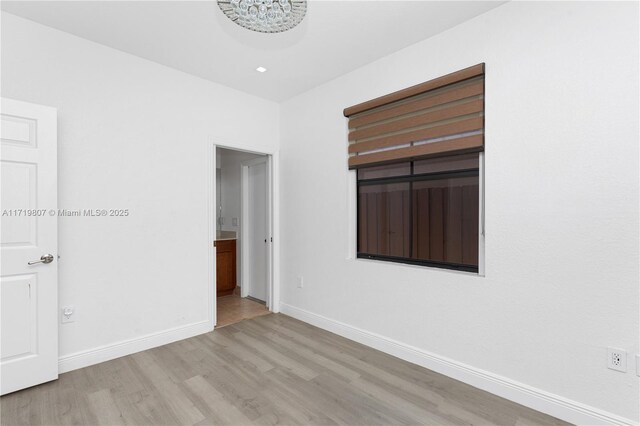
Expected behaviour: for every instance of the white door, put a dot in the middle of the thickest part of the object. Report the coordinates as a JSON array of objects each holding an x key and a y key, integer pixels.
[
  {"x": 29, "y": 233},
  {"x": 258, "y": 231}
]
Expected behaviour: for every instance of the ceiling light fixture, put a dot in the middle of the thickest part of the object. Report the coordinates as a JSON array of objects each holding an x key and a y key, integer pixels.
[
  {"x": 265, "y": 16},
  {"x": 261, "y": 69}
]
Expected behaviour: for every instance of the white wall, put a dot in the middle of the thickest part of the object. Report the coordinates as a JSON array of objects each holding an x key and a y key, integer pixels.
[
  {"x": 231, "y": 189},
  {"x": 561, "y": 199},
  {"x": 561, "y": 204},
  {"x": 132, "y": 134}
]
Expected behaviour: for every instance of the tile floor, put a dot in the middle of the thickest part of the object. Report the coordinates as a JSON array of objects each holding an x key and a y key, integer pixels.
[{"x": 232, "y": 309}]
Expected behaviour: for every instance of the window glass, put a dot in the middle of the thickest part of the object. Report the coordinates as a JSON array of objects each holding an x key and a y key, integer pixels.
[
  {"x": 444, "y": 164},
  {"x": 389, "y": 170},
  {"x": 445, "y": 220},
  {"x": 383, "y": 219},
  {"x": 429, "y": 217}
]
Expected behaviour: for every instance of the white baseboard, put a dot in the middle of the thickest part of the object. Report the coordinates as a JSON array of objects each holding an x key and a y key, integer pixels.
[
  {"x": 520, "y": 393},
  {"x": 131, "y": 346}
]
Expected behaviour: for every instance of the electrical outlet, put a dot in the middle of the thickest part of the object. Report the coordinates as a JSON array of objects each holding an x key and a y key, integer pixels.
[
  {"x": 68, "y": 314},
  {"x": 300, "y": 282},
  {"x": 638, "y": 365},
  {"x": 234, "y": 221},
  {"x": 617, "y": 359}
]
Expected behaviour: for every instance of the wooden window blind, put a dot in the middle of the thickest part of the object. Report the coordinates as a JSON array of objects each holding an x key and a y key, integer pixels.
[{"x": 439, "y": 117}]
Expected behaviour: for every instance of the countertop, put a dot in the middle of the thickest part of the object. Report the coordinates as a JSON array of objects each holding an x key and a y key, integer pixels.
[{"x": 226, "y": 235}]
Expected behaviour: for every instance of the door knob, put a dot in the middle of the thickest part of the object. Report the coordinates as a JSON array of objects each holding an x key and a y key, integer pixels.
[{"x": 47, "y": 258}]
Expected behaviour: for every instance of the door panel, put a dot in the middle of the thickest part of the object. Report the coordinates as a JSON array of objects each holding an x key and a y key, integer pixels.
[
  {"x": 18, "y": 131},
  {"x": 258, "y": 231},
  {"x": 18, "y": 192},
  {"x": 28, "y": 209},
  {"x": 19, "y": 309}
]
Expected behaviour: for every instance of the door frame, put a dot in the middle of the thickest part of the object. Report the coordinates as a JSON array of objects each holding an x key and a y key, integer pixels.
[
  {"x": 244, "y": 217},
  {"x": 273, "y": 256}
]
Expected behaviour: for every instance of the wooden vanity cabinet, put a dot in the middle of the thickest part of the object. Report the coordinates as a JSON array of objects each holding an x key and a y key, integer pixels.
[{"x": 225, "y": 267}]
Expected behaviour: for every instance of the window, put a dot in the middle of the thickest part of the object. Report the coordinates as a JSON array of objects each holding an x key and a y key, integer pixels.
[
  {"x": 422, "y": 212},
  {"x": 417, "y": 156}
]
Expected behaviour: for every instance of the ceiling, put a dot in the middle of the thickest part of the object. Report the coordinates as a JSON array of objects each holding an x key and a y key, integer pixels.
[{"x": 195, "y": 37}]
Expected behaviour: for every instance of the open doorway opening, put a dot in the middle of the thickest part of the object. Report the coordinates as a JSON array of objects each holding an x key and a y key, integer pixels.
[{"x": 243, "y": 235}]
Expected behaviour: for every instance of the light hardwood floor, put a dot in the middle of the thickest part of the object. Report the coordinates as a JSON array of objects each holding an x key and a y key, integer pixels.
[{"x": 268, "y": 370}]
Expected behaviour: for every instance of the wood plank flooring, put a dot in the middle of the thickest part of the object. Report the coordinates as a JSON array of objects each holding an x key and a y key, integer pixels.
[{"x": 268, "y": 370}]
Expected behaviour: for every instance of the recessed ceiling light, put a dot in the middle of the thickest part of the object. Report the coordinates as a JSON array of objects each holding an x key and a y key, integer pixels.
[{"x": 261, "y": 69}]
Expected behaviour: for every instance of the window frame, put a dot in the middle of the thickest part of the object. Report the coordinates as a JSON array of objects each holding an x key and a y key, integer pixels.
[{"x": 449, "y": 266}]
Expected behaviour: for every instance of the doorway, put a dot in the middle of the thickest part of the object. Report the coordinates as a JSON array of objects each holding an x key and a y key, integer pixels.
[{"x": 243, "y": 235}]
